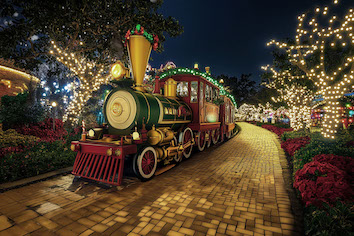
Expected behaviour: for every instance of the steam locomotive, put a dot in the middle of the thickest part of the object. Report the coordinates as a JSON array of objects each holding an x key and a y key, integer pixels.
[{"x": 188, "y": 109}]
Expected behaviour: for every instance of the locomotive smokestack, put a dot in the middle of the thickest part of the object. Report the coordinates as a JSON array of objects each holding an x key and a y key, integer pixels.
[{"x": 139, "y": 49}]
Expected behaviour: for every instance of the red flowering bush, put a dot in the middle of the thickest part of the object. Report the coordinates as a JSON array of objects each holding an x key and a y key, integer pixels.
[
  {"x": 321, "y": 183},
  {"x": 341, "y": 162},
  {"x": 44, "y": 130},
  {"x": 6, "y": 150},
  {"x": 290, "y": 146},
  {"x": 279, "y": 131}
]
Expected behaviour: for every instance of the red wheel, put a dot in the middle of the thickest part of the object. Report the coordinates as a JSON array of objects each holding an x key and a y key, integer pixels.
[
  {"x": 184, "y": 138},
  {"x": 145, "y": 163},
  {"x": 215, "y": 136},
  {"x": 201, "y": 141}
]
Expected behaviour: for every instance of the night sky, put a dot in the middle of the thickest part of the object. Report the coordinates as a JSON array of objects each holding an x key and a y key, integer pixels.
[{"x": 230, "y": 36}]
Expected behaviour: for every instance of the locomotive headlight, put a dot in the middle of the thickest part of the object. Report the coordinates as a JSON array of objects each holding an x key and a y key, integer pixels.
[
  {"x": 118, "y": 70},
  {"x": 91, "y": 133},
  {"x": 95, "y": 133},
  {"x": 136, "y": 136}
]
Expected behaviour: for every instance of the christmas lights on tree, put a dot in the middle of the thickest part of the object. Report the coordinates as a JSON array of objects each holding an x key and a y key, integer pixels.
[
  {"x": 90, "y": 74},
  {"x": 296, "y": 96},
  {"x": 322, "y": 53}
]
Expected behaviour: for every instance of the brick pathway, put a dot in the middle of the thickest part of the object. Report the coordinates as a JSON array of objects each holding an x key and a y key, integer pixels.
[{"x": 235, "y": 188}]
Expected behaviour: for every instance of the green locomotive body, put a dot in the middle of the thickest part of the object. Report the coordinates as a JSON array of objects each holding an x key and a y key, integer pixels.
[{"x": 125, "y": 109}]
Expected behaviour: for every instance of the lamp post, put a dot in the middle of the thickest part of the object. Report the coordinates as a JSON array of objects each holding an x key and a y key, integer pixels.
[{"x": 54, "y": 104}]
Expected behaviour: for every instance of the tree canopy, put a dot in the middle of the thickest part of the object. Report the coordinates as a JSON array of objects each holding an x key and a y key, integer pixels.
[
  {"x": 242, "y": 88},
  {"x": 94, "y": 29}
]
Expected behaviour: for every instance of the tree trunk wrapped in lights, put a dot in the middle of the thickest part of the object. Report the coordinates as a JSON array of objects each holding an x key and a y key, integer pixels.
[
  {"x": 91, "y": 76},
  {"x": 323, "y": 54}
]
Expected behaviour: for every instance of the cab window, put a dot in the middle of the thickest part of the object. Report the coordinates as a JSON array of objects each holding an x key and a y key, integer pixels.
[
  {"x": 194, "y": 91},
  {"x": 182, "y": 89}
]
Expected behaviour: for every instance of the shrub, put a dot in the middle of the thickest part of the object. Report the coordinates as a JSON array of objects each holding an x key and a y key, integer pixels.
[
  {"x": 10, "y": 138},
  {"x": 41, "y": 158},
  {"x": 295, "y": 134},
  {"x": 319, "y": 145},
  {"x": 16, "y": 110},
  {"x": 277, "y": 130},
  {"x": 44, "y": 130},
  {"x": 336, "y": 220},
  {"x": 282, "y": 125},
  {"x": 12, "y": 142},
  {"x": 321, "y": 183},
  {"x": 341, "y": 162},
  {"x": 290, "y": 146}
]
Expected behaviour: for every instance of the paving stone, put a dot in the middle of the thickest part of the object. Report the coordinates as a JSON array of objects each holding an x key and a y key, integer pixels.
[
  {"x": 4, "y": 223},
  {"x": 234, "y": 188}
]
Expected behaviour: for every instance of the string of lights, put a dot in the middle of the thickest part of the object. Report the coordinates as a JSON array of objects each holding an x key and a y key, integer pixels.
[
  {"x": 315, "y": 40},
  {"x": 90, "y": 75}
]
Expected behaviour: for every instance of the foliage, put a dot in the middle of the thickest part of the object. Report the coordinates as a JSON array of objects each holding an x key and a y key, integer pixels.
[
  {"x": 17, "y": 110},
  {"x": 44, "y": 130},
  {"x": 276, "y": 130},
  {"x": 242, "y": 88},
  {"x": 331, "y": 220},
  {"x": 321, "y": 182},
  {"x": 12, "y": 142},
  {"x": 318, "y": 60},
  {"x": 10, "y": 138},
  {"x": 100, "y": 25},
  {"x": 319, "y": 145},
  {"x": 295, "y": 134},
  {"x": 30, "y": 156},
  {"x": 343, "y": 163},
  {"x": 41, "y": 158},
  {"x": 290, "y": 146},
  {"x": 57, "y": 84}
]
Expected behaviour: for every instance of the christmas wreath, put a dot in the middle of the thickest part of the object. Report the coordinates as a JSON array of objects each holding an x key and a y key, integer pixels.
[{"x": 139, "y": 30}]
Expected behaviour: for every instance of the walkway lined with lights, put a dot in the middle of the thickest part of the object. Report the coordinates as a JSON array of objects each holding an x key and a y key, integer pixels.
[{"x": 235, "y": 188}]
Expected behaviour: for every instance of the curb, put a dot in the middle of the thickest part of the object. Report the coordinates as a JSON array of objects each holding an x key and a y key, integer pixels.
[{"x": 22, "y": 182}]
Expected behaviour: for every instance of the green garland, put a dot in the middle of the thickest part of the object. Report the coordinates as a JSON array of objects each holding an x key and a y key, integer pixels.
[{"x": 181, "y": 71}]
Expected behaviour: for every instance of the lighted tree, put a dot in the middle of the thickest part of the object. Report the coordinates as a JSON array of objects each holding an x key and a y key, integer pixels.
[
  {"x": 292, "y": 91},
  {"x": 86, "y": 36},
  {"x": 323, "y": 52}
]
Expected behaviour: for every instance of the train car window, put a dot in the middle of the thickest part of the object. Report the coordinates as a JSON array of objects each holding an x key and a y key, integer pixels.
[
  {"x": 201, "y": 91},
  {"x": 182, "y": 89},
  {"x": 208, "y": 93},
  {"x": 217, "y": 94},
  {"x": 194, "y": 91}
]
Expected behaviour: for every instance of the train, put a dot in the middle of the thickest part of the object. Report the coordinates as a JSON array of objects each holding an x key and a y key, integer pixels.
[{"x": 187, "y": 109}]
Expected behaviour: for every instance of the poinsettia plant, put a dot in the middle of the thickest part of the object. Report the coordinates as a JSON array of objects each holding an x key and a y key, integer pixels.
[
  {"x": 279, "y": 131},
  {"x": 290, "y": 146},
  {"x": 139, "y": 30},
  {"x": 322, "y": 182}
]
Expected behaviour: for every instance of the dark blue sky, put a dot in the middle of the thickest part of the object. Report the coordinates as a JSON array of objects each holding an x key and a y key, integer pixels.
[{"x": 230, "y": 36}]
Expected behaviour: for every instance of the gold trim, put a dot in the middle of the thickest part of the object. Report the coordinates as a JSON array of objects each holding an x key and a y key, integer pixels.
[
  {"x": 175, "y": 121},
  {"x": 148, "y": 104},
  {"x": 161, "y": 110}
]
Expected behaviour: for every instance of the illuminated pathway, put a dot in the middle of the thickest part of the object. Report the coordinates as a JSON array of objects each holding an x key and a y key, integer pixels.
[{"x": 235, "y": 188}]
